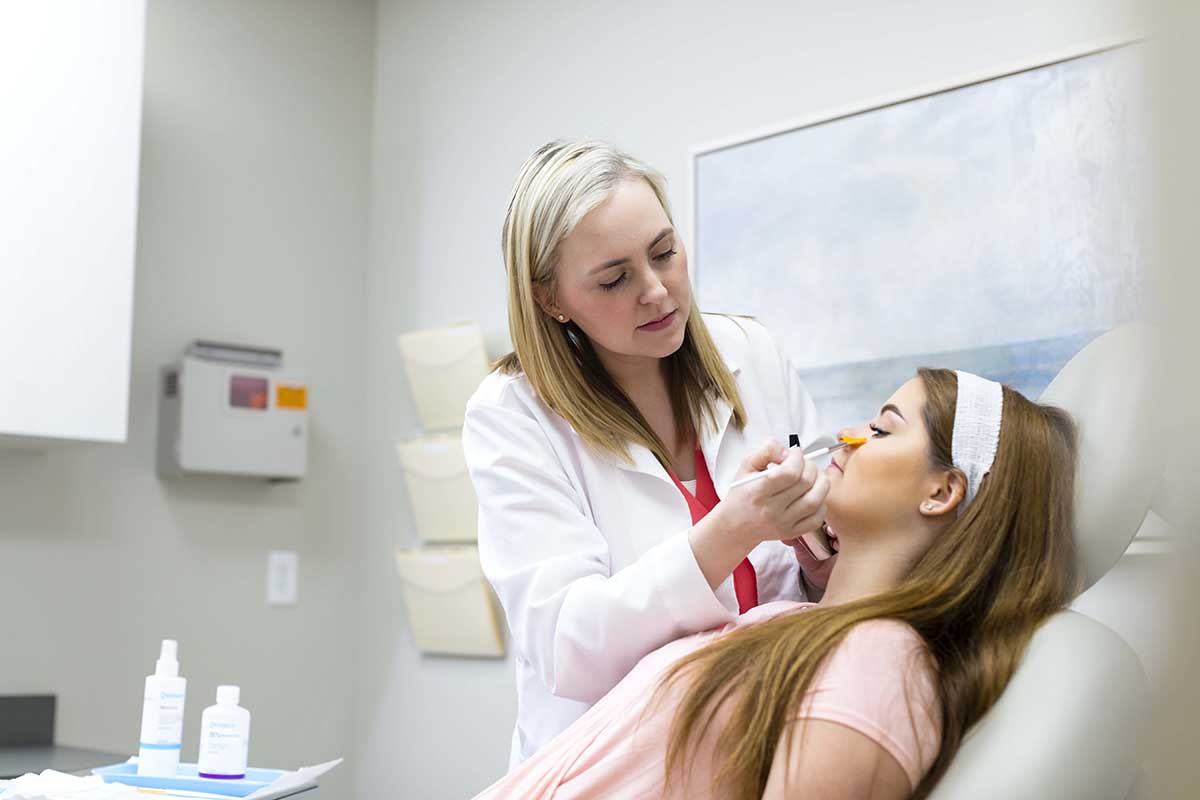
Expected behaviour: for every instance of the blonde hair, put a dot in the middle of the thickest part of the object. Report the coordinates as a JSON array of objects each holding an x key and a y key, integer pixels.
[
  {"x": 975, "y": 598},
  {"x": 556, "y": 188}
]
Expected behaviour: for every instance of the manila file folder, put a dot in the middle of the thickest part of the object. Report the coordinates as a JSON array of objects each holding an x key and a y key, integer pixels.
[
  {"x": 451, "y": 608},
  {"x": 444, "y": 367},
  {"x": 439, "y": 488}
]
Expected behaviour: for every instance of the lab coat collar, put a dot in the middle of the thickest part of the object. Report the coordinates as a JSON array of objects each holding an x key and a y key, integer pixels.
[
  {"x": 732, "y": 346},
  {"x": 711, "y": 438}
]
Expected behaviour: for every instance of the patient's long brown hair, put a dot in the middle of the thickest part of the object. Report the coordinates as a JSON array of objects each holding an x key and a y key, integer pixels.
[{"x": 975, "y": 598}]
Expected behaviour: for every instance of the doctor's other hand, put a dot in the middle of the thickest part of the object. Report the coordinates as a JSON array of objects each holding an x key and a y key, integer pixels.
[
  {"x": 789, "y": 501},
  {"x": 815, "y": 571}
]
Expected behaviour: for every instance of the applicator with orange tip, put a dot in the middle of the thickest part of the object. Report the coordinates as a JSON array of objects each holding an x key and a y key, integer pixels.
[{"x": 843, "y": 442}]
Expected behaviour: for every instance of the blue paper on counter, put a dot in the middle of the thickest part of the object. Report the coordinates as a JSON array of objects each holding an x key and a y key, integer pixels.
[{"x": 188, "y": 779}]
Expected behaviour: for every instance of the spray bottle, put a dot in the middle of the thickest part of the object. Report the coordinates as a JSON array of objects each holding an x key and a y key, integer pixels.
[{"x": 162, "y": 716}]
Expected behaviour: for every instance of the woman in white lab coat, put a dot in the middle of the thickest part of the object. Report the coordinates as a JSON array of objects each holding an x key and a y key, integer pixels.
[{"x": 600, "y": 445}]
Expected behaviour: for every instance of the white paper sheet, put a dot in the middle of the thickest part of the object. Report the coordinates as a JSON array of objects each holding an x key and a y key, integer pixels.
[{"x": 290, "y": 782}]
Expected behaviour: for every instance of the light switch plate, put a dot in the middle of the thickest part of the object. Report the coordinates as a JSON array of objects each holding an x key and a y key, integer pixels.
[{"x": 283, "y": 577}]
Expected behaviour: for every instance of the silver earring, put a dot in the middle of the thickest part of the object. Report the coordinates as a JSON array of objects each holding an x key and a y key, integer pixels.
[
  {"x": 929, "y": 506},
  {"x": 562, "y": 318}
]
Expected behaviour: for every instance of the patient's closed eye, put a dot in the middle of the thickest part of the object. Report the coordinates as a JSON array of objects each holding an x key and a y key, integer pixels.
[{"x": 878, "y": 431}]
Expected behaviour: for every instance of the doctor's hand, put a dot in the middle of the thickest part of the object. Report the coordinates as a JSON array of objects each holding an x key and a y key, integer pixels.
[
  {"x": 788, "y": 502},
  {"x": 814, "y": 572}
]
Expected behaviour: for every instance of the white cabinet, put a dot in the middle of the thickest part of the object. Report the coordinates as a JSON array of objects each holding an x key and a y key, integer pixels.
[{"x": 70, "y": 125}]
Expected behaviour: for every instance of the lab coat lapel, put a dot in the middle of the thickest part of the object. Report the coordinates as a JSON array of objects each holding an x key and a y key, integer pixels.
[
  {"x": 645, "y": 462},
  {"x": 722, "y": 470}
]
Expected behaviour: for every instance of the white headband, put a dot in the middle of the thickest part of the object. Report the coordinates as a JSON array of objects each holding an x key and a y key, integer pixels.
[{"x": 976, "y": 428}]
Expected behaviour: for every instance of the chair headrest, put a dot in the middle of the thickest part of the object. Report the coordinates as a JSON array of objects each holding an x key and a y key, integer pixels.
[{"x": 1110, "y": 387}]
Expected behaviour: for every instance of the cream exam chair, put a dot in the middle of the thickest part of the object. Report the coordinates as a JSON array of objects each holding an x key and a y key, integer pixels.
[{"x": 1069, "y": 723}]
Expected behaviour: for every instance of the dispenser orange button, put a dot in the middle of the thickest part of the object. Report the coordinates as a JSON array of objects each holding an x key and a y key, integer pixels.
[{"x": 293, "y": 397}]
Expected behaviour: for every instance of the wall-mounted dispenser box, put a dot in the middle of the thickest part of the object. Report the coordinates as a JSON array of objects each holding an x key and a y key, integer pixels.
[{"x": 233, "y": 410}]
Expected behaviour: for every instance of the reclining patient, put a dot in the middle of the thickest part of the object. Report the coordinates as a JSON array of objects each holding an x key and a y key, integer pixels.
[{"x": 954, "y": 536}]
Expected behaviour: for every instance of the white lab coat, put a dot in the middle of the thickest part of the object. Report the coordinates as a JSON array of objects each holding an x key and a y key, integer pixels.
[{"x": 589, "y": 556}]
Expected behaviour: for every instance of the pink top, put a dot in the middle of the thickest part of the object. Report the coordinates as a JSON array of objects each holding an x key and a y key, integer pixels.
[{"x": 871, "y": 683}]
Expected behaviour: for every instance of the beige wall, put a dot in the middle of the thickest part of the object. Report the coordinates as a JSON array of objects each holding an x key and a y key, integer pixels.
[
  {"x": 252, "y": 228},
  {"x": 463, "y": 93}
]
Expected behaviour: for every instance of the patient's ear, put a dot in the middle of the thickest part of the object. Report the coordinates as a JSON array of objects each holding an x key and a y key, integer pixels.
[{"x": 946, "y": 491}]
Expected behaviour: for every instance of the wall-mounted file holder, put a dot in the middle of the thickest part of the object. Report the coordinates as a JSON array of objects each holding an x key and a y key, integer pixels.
[
  {"x": 444, "y": 367},
  {"x": 451, "y": 608},
  {"x": 439, "y": 488}
]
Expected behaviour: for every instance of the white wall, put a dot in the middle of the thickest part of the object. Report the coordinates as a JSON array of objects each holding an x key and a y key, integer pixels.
[
  {"x": 463, "y": 93},
  {"x": 252, "y": 228}
]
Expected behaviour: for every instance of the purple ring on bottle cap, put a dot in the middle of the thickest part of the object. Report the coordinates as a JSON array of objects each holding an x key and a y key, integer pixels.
[{"x": 221, "y": 777}]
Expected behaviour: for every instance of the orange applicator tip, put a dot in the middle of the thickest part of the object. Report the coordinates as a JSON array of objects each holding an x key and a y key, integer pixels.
[{"x": 853, "y": 441}]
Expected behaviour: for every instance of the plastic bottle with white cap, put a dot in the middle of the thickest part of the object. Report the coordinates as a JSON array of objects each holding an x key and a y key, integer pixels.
[
  {"x": 162, "y": 716},
  {"x": 224, "y": 737}
]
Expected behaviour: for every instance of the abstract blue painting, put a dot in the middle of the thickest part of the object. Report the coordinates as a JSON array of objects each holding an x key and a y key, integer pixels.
[{"x": 996, "y": 227}]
